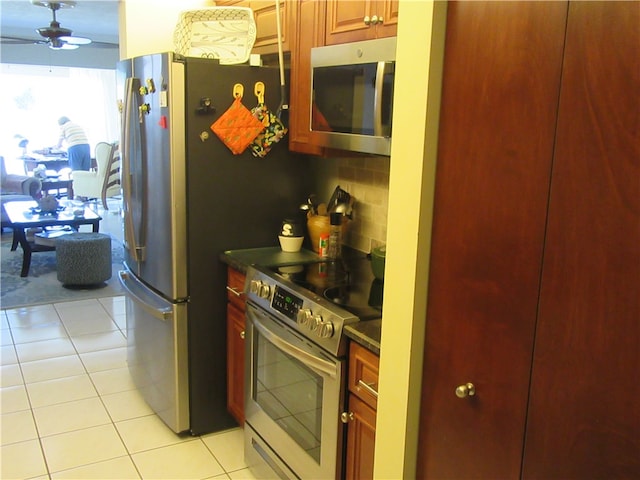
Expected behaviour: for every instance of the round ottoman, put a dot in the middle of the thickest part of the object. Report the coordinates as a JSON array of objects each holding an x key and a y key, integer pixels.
[{"x": 84, "y": 259}]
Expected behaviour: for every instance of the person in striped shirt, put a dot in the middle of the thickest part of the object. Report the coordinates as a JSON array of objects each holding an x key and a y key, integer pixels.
[{"x": 78, "y": 150}]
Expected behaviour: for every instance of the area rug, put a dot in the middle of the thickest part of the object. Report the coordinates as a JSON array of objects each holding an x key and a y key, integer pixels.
[{"x": 42, "y": 285}]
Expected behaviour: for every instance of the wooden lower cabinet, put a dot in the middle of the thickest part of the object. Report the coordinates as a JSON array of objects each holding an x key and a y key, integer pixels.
[
  {"x": 361, "y": 440},
  {"x": 361, "y": 414},
  {"x": 235, "y": 344}
]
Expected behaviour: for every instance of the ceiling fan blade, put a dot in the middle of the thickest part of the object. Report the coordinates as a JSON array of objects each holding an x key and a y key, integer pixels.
[
  {"x": 16, "y": 41},
  {"x": 95, "y": 44},
  {"x": 75, "y": 40}
]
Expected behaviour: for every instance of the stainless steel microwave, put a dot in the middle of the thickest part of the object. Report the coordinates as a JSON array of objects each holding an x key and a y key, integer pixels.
[{"x": 352, "y": 95}]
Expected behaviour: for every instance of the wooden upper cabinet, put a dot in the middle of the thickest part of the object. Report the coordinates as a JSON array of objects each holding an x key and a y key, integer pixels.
[
  {"x": 309, "y": 33},
  {"x": 352, "y": 21},
  {"x": 264, "y": 12}
]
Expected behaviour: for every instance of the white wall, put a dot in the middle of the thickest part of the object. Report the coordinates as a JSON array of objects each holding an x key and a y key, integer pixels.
[
  {"x": 419, "y": 56},
  {"x": 146, "y": 26}
]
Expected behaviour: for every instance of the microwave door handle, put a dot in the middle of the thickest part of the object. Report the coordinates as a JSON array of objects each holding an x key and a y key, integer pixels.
[
  {"x": 377, "y": 100},
  {"x": 311, "y": 361}
]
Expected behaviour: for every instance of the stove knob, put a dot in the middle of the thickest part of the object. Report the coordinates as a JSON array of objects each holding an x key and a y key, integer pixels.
[
  {"x": 254, "y": 286},
  {"x": 304, "y": 316},
  {"x": 327, "y": 330},
  {"x": 265, "y": 291},
  {"x": 316, "y": 323}
]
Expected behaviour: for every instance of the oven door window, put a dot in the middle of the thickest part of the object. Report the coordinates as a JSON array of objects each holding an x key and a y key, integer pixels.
[
  {"x": 291, "y": 395},
  {"x": 294, "y": 396}
]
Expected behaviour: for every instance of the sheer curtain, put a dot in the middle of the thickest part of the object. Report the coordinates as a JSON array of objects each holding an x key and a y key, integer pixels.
[{"x": 34, "y": 97}]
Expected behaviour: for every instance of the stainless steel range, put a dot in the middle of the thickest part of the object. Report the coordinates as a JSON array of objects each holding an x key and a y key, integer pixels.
[{"x": 296, "y": 363}]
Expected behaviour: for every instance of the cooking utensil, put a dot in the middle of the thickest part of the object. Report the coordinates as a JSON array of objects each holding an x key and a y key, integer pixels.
[
  {"x": 236, "y": 127},
  {"x": 345, "y": 208},
  {"x": 339, "y": 196},
  {"x": 273, "y": 131},
  {"x": 312, "y": 200}
]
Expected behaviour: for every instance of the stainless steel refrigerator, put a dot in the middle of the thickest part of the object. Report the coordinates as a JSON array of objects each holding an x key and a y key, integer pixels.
[{"x": 187, "y": 199}]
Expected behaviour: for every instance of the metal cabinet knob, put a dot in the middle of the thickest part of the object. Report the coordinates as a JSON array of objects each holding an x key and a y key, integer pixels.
[
  {"x": 466, "y": 390},
  {"x": 375, "y": 20},
  {"x": 242, "y": 334}
]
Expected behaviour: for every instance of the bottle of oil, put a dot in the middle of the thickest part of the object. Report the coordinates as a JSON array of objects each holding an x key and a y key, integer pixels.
[{"x": 335, "y": 236}]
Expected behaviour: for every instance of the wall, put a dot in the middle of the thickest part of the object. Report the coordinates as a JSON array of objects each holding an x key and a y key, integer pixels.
[
  {"x": 419, "y": 54},
  {"x": 367, "y": 180},
  {"x": 146, "y": 26}
]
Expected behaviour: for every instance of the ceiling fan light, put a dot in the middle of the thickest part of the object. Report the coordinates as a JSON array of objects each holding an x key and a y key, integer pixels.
[{"x": 64, "y": 46}]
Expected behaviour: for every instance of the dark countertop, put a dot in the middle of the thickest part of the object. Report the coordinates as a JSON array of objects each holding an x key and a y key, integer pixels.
[
  {"x": 266, "y": 256},
  {"x": 366, "y": 333}
]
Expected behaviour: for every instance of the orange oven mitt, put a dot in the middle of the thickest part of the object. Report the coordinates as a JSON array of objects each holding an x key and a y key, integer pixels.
[{"x": 236, "y": 127}]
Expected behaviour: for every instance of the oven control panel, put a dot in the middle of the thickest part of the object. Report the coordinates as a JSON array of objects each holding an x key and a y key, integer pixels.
[
  {"x": 286, "y": 303},
  {"x": 310, "y": 315}
]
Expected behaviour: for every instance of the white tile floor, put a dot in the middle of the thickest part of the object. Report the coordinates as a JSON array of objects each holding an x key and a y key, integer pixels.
[{"x": 70, "y": 410}]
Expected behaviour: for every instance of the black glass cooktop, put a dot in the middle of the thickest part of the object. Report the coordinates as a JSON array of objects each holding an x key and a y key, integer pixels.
[{"x": 347, "y": 282}]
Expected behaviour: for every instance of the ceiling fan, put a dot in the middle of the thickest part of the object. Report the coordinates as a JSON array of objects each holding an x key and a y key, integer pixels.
[{"x": 54, "y": 35}]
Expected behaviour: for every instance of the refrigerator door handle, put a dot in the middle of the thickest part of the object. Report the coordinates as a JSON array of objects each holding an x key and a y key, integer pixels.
[
  {"x": 130, "y": 150},
  {"x": 164, "y": 314}
]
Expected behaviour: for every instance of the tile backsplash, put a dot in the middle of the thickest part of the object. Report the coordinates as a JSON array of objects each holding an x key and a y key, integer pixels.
[{"x": 366, "y": 179}]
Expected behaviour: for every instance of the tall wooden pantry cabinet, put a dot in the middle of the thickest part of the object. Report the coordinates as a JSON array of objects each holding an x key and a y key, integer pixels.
[{"x": 532, "y": 347}]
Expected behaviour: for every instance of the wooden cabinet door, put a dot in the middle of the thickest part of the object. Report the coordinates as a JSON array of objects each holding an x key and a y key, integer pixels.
[
  {"x": 235, "y": 362},
  {"x": 388, "y": 10},
  {"x": 266, "y": 25},
  {"x": 235, "y": 343},
  {"x": 499, "y": 106},
  {"x": 346, "y": 20},
  {"x": 584, "y": 413},
  {"x": 361, "y": 439},
  {"x": 264, "y": 13},
  {"x": 309, "y": 34}
]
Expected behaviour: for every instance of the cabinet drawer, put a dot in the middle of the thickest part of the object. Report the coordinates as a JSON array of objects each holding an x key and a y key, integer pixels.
[
  {"x": 235, "y": 287},
  {"x": 363, "y": 374}
]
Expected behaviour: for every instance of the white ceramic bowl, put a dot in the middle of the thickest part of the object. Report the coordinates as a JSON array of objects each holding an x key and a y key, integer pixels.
[{"x": 290, "y": 244}]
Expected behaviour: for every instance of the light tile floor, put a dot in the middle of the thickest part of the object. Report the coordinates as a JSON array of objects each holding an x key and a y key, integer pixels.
[{"x": 70, "y": 410}]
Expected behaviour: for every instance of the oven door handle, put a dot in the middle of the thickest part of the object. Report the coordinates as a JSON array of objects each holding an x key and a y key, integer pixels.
[{"x": 311, "y": 361}]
